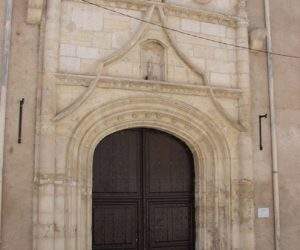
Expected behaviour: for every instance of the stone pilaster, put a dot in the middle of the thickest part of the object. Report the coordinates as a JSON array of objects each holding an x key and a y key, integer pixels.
[
  {"x": 245, "y": 182},
  {"x": 4, "y": 73},
  {"x": 46, "y": 224}
]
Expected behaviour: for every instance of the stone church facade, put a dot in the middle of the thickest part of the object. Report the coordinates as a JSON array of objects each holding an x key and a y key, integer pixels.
[{"x": 87, "y": 69}]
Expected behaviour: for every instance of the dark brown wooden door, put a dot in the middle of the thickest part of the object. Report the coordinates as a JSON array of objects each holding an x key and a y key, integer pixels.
[{"x": 143, "y": 192}]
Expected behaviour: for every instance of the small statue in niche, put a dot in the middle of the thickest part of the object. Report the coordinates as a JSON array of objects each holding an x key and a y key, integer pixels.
[
  {"x": 153, "y": 61},
  {"x": 150, "y": 73}
]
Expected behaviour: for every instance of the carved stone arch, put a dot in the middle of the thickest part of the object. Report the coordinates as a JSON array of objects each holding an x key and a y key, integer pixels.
[
  {"x": 203, "y": 137},
  {"x": 162, "y": 43}
]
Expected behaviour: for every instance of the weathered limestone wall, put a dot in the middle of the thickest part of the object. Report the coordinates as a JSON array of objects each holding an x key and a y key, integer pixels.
[
  {"x": 224, "y": 6},
  {"x": 286, "y": 37},
  {"x": 2, "y": 94},
  {"x": 19, "y": 158},
  {"x": 88, "y": 35},
  {"x": 264, "y": 228},
  {"x": 1, "y": 27},
  {"x": 219, "y": 61},
  {"x": 84, "y": 43},
  {"x": 191, "y": 66},
  {"x": 77, "y": 96}
]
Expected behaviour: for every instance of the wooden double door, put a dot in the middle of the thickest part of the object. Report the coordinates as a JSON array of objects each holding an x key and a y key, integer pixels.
[{"x": 143, "y": 192}]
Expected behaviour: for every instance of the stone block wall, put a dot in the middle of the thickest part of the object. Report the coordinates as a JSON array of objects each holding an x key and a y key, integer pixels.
[
  {"x": 217, "y": 60},
  {"x": 224, "y": 6},
  {"x": 84, "y": 43},
  {"x": 60, "y": 61},
  {"x": 80, "y": 37},
  {"x": 17, "y": 186},
  {"x": 2, "y": 13},
  {"x": 101, "y": 33},
  {"x": 114, "y": 59}
]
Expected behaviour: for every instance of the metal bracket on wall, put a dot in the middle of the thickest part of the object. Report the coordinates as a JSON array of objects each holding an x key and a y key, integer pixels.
[
  {"x": 260, "y": 130},
  {"x": 20, "y": 120}
]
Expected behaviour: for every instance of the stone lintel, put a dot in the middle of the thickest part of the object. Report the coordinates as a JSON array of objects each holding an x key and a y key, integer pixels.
[{"x": 148, "y": 86}]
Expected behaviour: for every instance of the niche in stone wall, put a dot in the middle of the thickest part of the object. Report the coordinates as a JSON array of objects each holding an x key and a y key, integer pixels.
[{"x": 153, "y": 61}]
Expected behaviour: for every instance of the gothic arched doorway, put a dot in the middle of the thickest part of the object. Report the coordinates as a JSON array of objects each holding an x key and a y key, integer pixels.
[{"x": 143, "y": 192}]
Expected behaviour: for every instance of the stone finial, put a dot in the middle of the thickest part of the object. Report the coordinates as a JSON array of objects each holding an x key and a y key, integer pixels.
[
  {"x": 257, "y": 38},
  {"x": 34, "y": 11},
  {"x": 242, "y": 5}
]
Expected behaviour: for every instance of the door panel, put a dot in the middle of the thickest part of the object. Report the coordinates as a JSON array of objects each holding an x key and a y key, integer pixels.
[
  {"x": 169, "y": 164},
  {"x": 115, "y": 225},
  {"x": 170, "y": 224},
  {"x": 143, "y": 192},
  {"x": 117, "y": 162}
]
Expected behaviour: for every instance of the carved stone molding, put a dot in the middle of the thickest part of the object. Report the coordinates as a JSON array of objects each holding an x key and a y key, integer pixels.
[
  {"x": 106, "y": 61},
  {"x": 147, "y": 86},
  {"x": 203, "y": 136},
  {"x": 203, "y": 1},
  {"x": 34, "y": 11},
  {"x": 120, "y": 53},
  {"x": 56, "y": 179},
  {"x": 171, "y": 9}
]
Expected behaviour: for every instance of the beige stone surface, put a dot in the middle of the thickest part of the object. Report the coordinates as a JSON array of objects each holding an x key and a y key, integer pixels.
[
  {"x": 90, "y": 81},
  {"x": 216, "y": 5},
  {"x": 285, "y": 35},
  {"x": 17, "y": 224},
  {"x": 34, "y": 11},
  {"x": 198, "y": 112},
  {"x": 1, "y": 27}
]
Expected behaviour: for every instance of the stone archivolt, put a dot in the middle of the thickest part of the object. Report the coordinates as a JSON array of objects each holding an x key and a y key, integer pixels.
[{"x": 202, "y": 135}]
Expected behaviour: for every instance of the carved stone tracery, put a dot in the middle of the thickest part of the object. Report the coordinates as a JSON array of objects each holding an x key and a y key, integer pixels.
[
  {"x": 216, "y": 153},
  {"x": 136, "y": 38}
]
